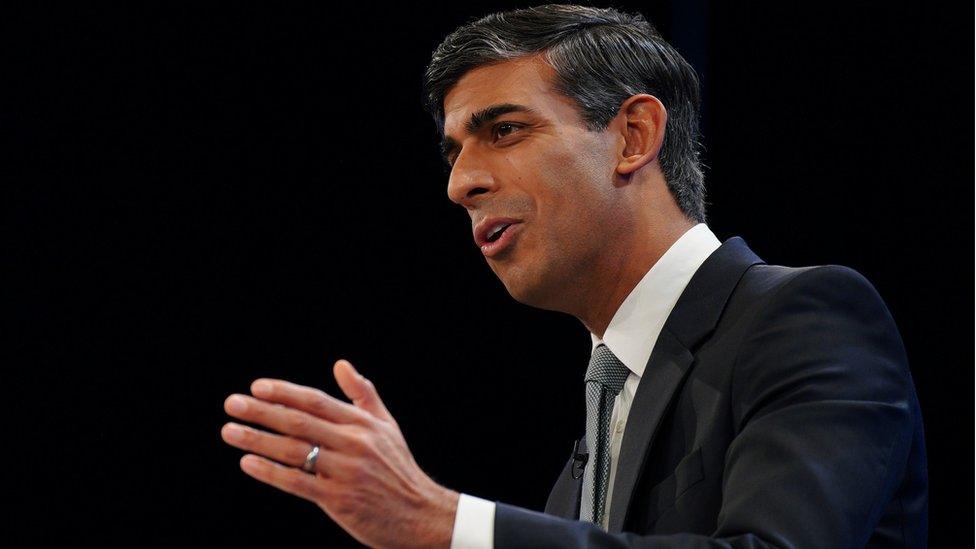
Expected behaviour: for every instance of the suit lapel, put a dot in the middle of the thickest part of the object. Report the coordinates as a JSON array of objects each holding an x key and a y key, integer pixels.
[{"x": 694, "y": 317}]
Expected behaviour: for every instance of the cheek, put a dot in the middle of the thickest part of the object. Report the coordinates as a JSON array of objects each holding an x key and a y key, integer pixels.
[
  {"x": 564, "y": 185},
  {"x": 571, "y": 198}
]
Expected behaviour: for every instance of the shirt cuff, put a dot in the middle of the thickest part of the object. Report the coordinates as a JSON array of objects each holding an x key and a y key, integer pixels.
[{"x": 474, "y": 524}]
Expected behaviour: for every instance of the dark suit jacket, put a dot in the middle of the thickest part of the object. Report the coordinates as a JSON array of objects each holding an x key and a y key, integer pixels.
[{"x": 776, "y": 410}]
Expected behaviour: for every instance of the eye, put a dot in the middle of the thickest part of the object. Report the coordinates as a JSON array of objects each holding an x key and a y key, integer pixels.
[{"x": 500, "y": 129}]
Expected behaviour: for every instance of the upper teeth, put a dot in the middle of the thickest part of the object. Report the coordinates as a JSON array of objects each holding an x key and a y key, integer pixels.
[{"x": 497, "y": 229}]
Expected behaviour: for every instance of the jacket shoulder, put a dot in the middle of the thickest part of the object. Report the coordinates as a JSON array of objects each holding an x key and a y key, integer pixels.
[{"x": 764, "y": 283}]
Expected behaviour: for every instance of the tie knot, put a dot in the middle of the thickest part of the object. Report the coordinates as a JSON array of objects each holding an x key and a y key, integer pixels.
[{"x": 607, "y": 370}]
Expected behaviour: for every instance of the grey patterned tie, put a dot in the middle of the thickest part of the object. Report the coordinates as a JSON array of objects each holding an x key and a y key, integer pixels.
[{"x": 604, "y": 379}]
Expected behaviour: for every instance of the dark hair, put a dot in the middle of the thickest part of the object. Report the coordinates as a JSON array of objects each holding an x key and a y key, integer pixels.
[{"x": 600, "y": 58}]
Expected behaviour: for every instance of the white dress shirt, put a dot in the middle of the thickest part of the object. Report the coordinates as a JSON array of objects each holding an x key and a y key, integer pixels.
[{"x": 630, "y": 336}]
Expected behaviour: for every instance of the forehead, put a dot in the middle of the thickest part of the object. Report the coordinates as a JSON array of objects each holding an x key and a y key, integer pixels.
[{"x": 524, "y": 81}]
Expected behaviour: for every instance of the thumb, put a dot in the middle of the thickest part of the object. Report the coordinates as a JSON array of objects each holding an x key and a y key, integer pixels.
[{"x": 360, "y": 390}]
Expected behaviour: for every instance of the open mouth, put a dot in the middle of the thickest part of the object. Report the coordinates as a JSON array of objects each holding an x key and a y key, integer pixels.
[
  {"x": 500, "y": 238},
  {"x": 497, "y": 232}
]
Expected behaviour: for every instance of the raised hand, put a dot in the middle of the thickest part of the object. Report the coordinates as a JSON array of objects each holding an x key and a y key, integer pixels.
[{"x": 365, "y": 476}]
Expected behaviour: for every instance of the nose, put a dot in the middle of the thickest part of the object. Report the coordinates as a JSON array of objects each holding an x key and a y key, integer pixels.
[{"x": 469, "y": 180}]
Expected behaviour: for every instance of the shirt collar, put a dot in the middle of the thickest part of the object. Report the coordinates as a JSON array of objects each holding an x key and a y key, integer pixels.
[{"x": 635, "y": 326}]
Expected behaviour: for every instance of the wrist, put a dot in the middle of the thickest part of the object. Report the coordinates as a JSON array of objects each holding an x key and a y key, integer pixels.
[{"x": 438, "y": 522}]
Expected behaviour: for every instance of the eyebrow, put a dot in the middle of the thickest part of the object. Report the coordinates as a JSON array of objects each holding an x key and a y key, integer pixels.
[{"x": 478, "y": 120}]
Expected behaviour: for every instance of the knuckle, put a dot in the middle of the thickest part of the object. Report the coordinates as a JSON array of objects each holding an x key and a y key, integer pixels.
[
  {"x": 295, "y": 483},
  {"x": 367, "y": 421},
  {"x": 257, "y": 412},
  {"x": 247, "y": 436},
  {"x": 342, "y": 469},
  {"x": 297, "y": 422},
  {"x": 296, "y": 453},
  {"x": 369, "y": 385},
  {"x": 387, "y": 430},
  {"x": 360, "y": 474},
  {"x": 362, "y": 443},
  {"x": 319, "y": 404}
]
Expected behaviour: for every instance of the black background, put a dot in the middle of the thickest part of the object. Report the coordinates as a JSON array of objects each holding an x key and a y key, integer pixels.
[{"x": 197, "y": 197}]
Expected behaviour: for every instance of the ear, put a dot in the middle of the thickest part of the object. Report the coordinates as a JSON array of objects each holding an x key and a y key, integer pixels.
[{"x": 643, "y": 119}]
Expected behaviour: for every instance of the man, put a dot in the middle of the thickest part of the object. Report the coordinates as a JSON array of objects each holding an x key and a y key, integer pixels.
[{"x": 730, "y": 403}]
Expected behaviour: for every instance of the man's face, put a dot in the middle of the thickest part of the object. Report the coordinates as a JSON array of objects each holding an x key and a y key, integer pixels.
[{"x": 537, "y": 165}]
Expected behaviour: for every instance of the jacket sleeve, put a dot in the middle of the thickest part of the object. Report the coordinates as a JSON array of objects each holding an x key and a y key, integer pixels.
[{"x": 822, "y": 403}]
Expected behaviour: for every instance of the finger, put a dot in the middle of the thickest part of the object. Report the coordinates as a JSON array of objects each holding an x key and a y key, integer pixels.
[
  {"x": 286, "y": 450},
  {"x": 309, "y": 399},
  {"x": 288, "y": 479},
  {"x": 290, "y": 421},
  {"x": 360, "y": 390}
]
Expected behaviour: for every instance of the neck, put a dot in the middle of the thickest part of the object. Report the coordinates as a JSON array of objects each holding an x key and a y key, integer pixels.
[{"x": 624, "y": 269}]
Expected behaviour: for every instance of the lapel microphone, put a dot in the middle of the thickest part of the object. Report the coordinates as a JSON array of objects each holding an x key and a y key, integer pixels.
[{"x": 579, "y": 459}]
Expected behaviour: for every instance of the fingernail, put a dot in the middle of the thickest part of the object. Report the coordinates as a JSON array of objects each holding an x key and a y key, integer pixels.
[
  {"x": 261, "y": 388},
  {"x": 250, "y": 463},
  {"x": 236, "y": 405},
  {"x": 233, "y": 432}
]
